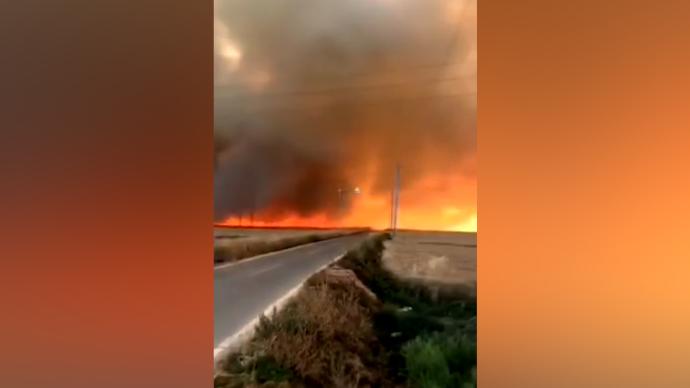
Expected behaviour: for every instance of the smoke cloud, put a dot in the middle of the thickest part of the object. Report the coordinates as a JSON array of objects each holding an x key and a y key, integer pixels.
[{"x": 316, "y": 97}]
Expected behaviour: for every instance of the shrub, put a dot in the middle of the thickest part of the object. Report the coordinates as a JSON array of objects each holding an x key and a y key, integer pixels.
[
  {"x": 426, "y": 364},
  {"x": 267, "y": 369},
  {"x": 441, "y": 360}
]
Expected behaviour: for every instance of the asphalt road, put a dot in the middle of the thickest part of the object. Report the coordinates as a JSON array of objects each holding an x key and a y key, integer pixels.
[{"x": 242, "y": 291}]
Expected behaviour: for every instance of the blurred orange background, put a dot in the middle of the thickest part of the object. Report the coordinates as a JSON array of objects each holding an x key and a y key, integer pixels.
[{"x": 583, "y": 194}]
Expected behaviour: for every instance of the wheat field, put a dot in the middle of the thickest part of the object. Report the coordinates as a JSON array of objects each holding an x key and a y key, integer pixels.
[{"x": 439, "y": 257}]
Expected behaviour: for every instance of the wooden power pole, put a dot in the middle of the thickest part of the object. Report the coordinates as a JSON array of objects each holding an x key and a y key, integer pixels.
[{"x": 395, "y": 200}]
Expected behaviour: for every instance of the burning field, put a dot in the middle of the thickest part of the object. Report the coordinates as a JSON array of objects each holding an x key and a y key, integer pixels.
[{"x": 317, "y": 103}]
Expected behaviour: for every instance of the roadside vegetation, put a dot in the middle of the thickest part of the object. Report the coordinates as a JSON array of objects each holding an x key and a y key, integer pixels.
[
  {"x": 356, "y": 325},
  {"x": 243, "y": 248}
]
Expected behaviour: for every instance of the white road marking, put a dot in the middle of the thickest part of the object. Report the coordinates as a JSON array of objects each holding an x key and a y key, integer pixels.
[{"x": 270, "y": 268}]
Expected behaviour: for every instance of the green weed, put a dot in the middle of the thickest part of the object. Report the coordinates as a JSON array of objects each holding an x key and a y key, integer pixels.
[{"x": 440, "y": 360}]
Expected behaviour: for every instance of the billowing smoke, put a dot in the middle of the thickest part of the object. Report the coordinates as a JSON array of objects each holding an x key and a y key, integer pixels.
[{"x": 313, "y": 97}]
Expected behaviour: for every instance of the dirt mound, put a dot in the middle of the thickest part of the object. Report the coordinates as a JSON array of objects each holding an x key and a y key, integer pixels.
[{"x": 337, "y": 276}]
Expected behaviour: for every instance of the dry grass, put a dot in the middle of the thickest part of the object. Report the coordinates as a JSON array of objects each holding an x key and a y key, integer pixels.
[
  {"x": 324, "y": 337},
  {"x": 433, "y": 257},
  {"x": 234, "y": 245},
  {"x": 230, "y": 235}
]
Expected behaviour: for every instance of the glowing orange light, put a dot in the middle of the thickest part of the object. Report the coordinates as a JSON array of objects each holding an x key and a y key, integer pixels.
[{"x": 436, "y": 203}]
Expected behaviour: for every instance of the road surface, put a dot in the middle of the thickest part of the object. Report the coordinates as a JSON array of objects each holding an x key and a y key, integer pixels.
[{"x": 242, "y": 291}]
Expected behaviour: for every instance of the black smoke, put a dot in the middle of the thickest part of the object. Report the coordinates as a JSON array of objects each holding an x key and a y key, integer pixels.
[{"x": 328, "y": 93}]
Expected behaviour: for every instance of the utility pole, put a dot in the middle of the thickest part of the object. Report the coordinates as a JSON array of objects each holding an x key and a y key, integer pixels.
[
  {"x": 391, "y": 221},
  {"x": 340, "y": 199},
  {"x": 395, "y": 200},
  {"x": 251, "y": 213}
]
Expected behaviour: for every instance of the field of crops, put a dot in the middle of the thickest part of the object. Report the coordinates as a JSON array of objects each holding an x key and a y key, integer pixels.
[
  {"x": 444, "y": 257},
  {"x": 229, "y": 236},
  {"x": 232, "y": 244}
]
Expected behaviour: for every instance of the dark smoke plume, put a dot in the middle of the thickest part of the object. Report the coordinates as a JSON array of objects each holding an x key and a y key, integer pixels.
[{"x": 315, "y": 96}]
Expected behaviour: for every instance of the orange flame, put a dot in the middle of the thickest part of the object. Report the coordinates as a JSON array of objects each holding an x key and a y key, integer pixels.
[{"x": 436, "y": 203}]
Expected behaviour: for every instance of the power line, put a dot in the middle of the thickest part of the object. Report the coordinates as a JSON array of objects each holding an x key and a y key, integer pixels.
[
  {"x": 290, "y": 106},
  {"x": 369, "y": 74},
  {"x": 395, "y": 205},
  {"x": 356, "y": 88},
  {"x": 446, "y": 55},
  {"x": 452, "y": 47}
]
